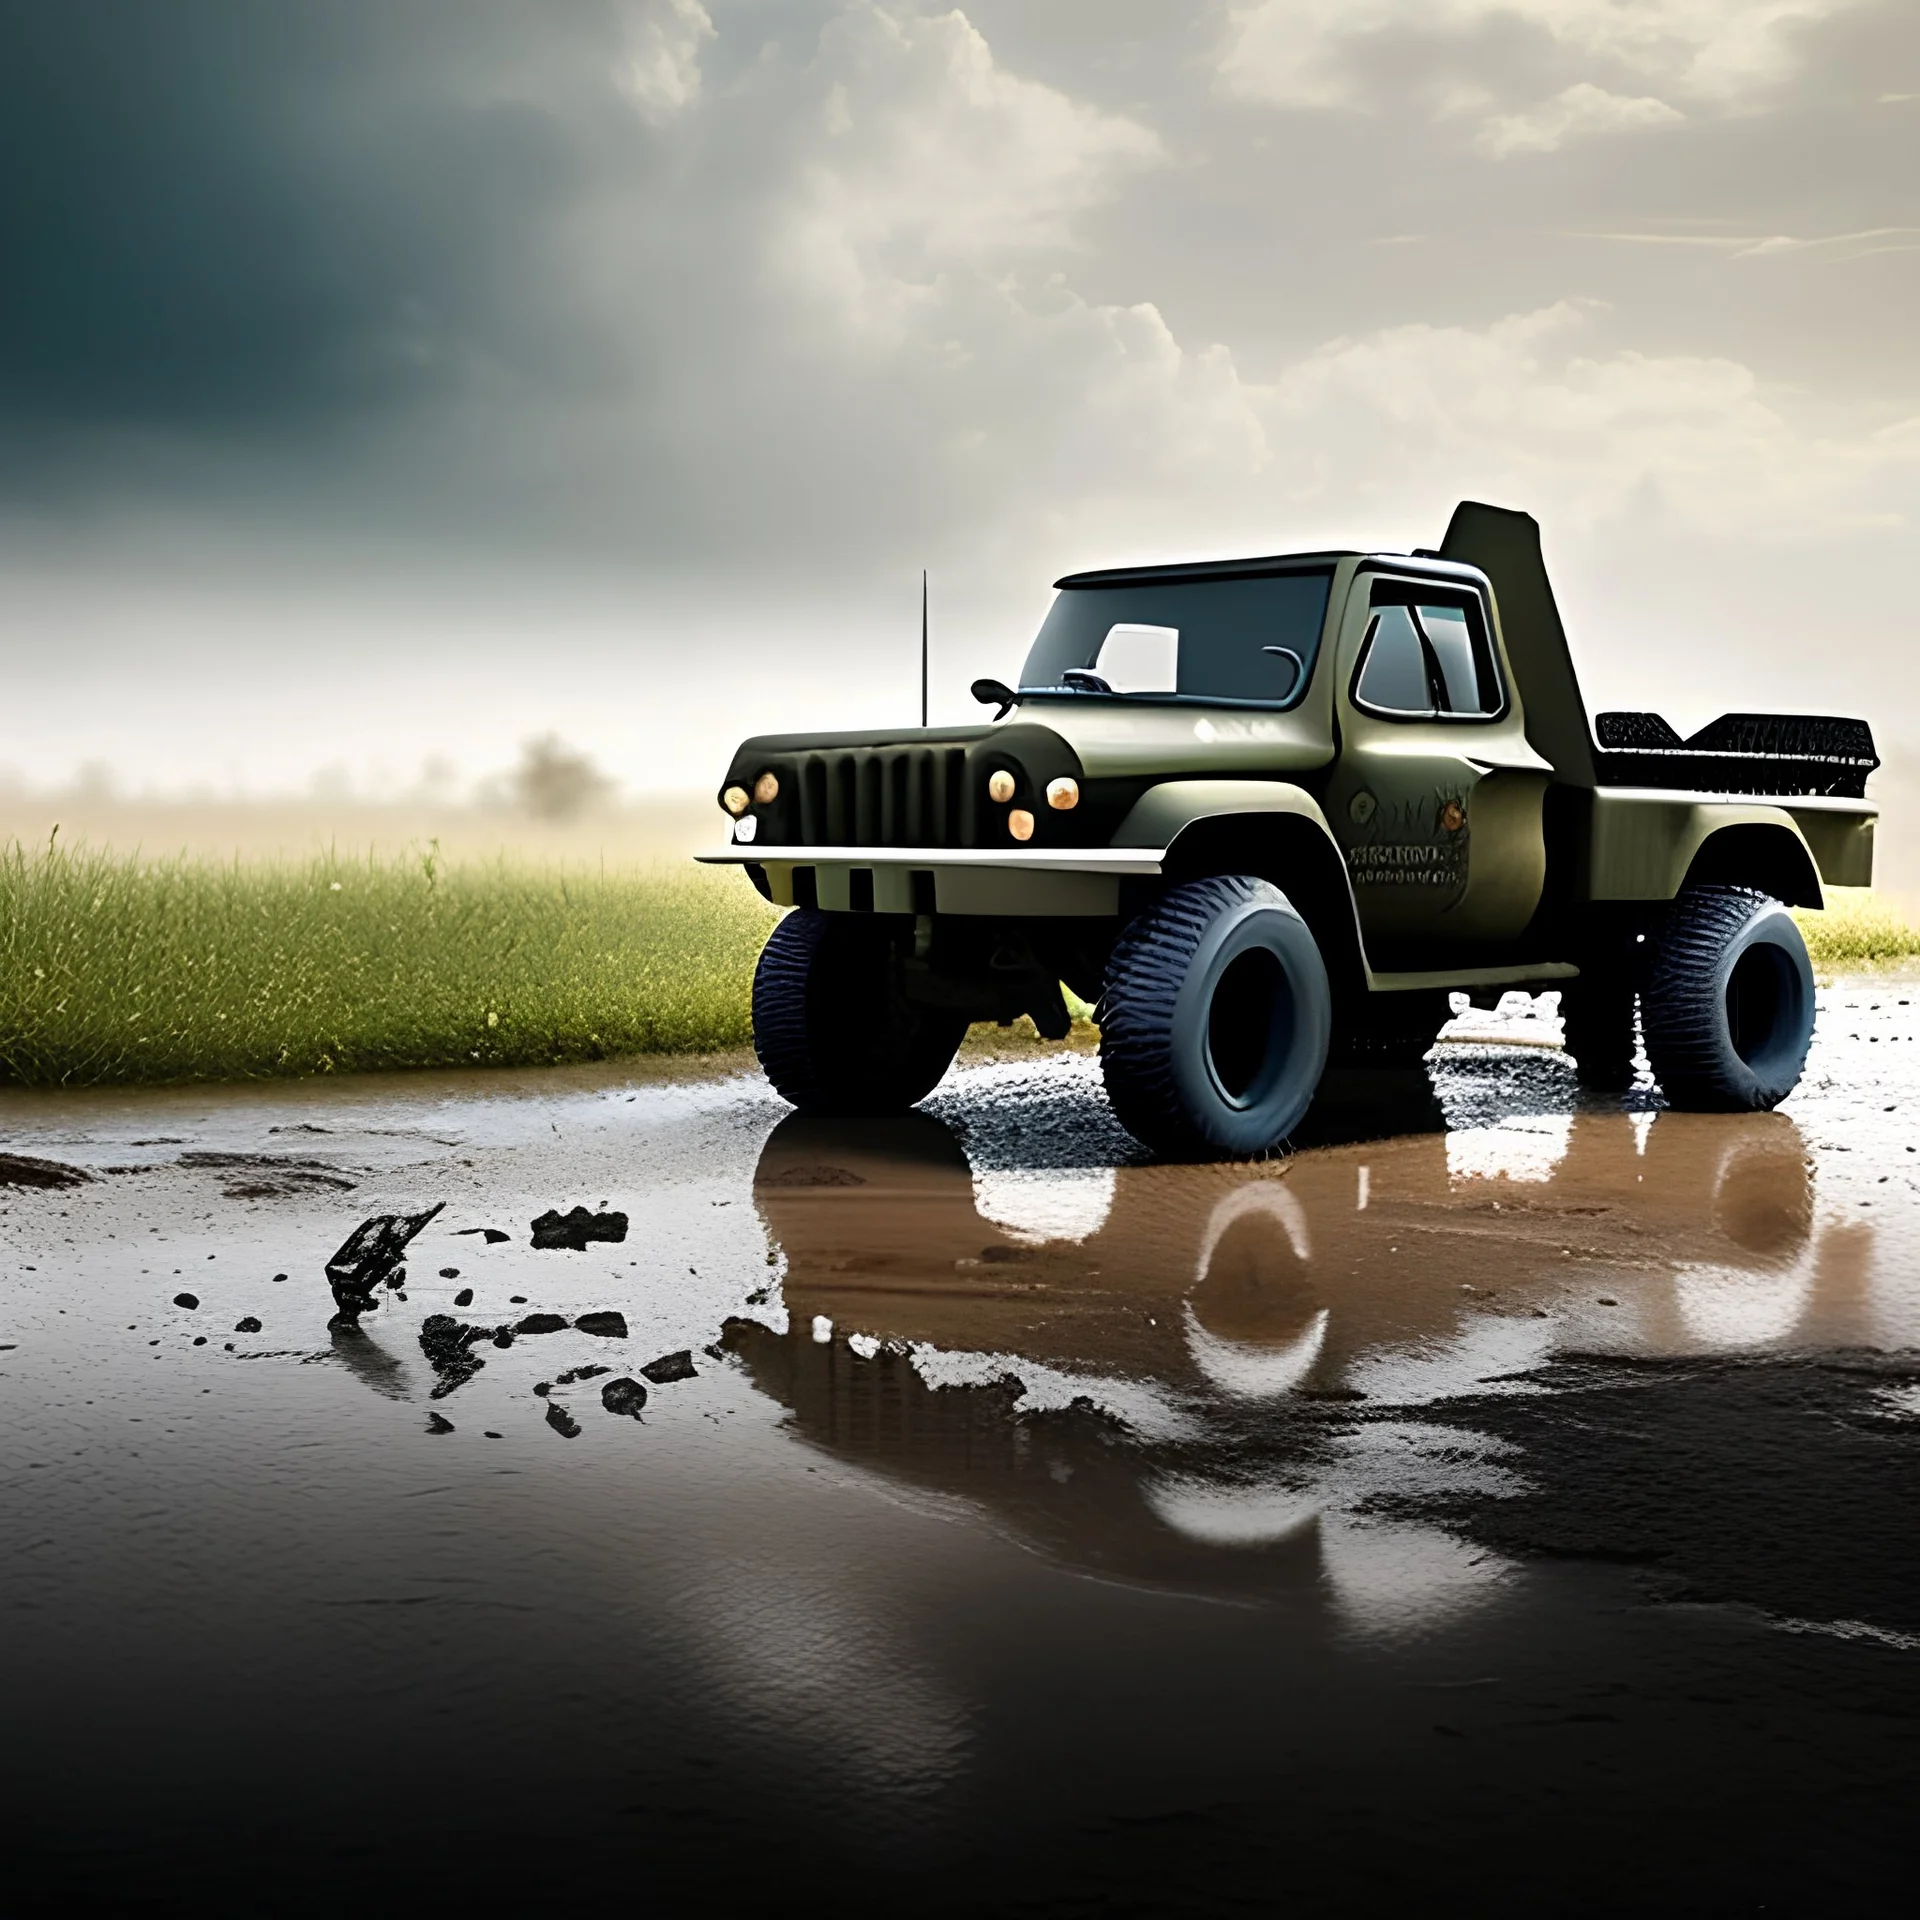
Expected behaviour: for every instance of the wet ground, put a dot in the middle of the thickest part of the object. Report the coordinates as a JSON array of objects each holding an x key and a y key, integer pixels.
[{"x": 1512, "y": 1501}]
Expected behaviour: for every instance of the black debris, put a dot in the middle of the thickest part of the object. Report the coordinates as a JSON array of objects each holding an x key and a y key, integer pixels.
[
  {"x": 449, "y": 1273},
  {"x": 248, "y": 1325},
  {"x": 464, "y": 1298},
  {"x": 517, "y": 1299},
  {"x": 543, "y": 1323},
  {"x": 187, "y": 1300},
  {"x": 574, "y": 1230},
  {"x": 623, "y": 1396},
  {"x": 199, "y": 1339},
  {"x": 397, "y": 1279},
  {"x": 491, "y": 1435},
  {"x": 439, "y": 1423},
  {"x": 542, "y": 1388},
  {"x": 670, "y": 1367},
  {"x": 561, "y": 1421},
  {"x": 493, "y": 1234},
  {"x": 22, "y": 1170},
  {"x": 448, "y": 1345},
  {"x": 580, "y": 1373},
  {"x": 372, "y": 1252},
  {"x": 503, "y": 1336},
  {"x": 609, "y": 1325},
  {"x": 278, "y": 1277}
]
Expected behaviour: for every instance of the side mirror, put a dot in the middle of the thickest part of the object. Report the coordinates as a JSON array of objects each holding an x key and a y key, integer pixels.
[{"x": 994, "y": 693}]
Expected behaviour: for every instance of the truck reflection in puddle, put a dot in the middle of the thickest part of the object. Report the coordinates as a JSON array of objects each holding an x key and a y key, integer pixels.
[{"x": 1211, "y": 1377}]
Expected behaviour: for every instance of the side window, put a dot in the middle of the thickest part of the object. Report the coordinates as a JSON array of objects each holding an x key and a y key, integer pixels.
[
  {"x": 1427, "y": 655},
  {"x": 1393, "y": 675}
]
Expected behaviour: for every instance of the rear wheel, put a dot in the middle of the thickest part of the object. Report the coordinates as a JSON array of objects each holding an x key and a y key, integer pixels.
[
  {"x": 1728, "y": 1006},
  {"x": 1215, "y": 1019},
  {"x": 834, "y": 1033}
]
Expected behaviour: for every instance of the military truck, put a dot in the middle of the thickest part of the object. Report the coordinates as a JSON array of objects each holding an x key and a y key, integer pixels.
[{"x": 1269, "y": 814}]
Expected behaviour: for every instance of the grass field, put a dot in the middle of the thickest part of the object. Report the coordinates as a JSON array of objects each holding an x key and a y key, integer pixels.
[
  {"x": 1860, "y": 928},
  {"x": 119, "y": 969},
  {"x": 114, "y": 968}
]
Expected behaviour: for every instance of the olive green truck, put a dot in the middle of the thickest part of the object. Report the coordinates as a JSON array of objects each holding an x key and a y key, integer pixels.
[{"x": 1269, "y": 814}]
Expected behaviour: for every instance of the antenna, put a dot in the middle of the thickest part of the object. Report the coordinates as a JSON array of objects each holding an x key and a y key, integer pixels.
[{"x": 923, "y": 646}]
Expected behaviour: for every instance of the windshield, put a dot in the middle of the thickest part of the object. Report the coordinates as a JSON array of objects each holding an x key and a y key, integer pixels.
[{"x": 1213, "y": 640}]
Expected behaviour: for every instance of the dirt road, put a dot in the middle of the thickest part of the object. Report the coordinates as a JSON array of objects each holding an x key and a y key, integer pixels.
[{"x": 1510, "y": 1500}]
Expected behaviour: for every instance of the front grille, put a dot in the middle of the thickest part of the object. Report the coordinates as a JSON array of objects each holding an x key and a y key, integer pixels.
[{"x": 878, "y": 797}]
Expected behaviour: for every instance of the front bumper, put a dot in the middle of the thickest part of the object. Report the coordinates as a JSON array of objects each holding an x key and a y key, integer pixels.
[{"x": 1020, "y": 881}]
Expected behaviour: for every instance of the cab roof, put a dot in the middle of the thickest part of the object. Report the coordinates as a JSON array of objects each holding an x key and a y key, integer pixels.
[{"x": 1252, "y": 569}]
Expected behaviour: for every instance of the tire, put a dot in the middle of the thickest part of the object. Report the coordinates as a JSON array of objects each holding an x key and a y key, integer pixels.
[
  {"x": 1728, "y": 1006},
  {"x": 1215, "y": 1020},
  {"x": 1598, "y": 1011},
  {"x": 1394, "y": 1030},
  {"x": 832, "y": 1030}
]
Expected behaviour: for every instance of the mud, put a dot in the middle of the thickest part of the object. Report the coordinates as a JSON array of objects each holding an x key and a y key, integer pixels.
[{"x": 1507, "y": 1500}]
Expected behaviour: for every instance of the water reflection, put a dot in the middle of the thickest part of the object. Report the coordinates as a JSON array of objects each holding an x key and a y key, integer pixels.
[{"x": 1230, "y": 1361}]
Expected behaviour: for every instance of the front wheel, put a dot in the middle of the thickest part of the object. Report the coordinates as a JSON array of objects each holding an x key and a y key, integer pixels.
[
  {"x": 1727, "y": 1012},
  {"x": 1215, "y": 1019},
  {"x": 834, "y": 1033}
]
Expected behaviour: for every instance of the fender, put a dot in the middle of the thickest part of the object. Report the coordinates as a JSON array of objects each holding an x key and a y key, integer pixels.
[
  {"x": 1271, "y": 828},
  {"x": 1648, "y": 847}
]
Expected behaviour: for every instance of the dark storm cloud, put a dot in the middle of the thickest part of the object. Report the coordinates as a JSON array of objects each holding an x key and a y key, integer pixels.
[{"x": 223, "y": 217}]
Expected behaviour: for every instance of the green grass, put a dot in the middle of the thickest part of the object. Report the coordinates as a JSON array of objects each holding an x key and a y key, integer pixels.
[
  {"x": 1859, "y": 928},
  {"x": 121, "y": 969}
]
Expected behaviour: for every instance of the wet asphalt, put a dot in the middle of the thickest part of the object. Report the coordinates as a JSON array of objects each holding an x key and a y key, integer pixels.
[{"x": 1510, "y": 1501}]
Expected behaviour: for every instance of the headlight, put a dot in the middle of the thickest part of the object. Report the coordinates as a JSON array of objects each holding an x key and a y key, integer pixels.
[
  {"x": 1063, "y": 793},
  {"x": 744, "y": 830},
  {"x": 766, "y": 789},
  {"x": 1020, "y": 824},
  {"x": 1000, "y": 786},
  {"x": 734, "y": 800}
]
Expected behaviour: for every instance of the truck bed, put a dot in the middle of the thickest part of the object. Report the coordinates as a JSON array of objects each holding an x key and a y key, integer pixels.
[{"x": 1755, "y": 753}]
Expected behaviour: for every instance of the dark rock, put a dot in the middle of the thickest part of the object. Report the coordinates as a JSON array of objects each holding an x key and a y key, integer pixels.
[
  {"x": 464, "y": 1298},
  {"x": 278, "y": 1277},
  {"x": 624, "y": 1396},
  {"x": 439, "y": 1423},
  {"x": 609, "y": 1325},
  {"x": 373, "y": 1251},
  {"x": 22, "y": 1170},
  {"x": 503, "y": 1336},
  {"x": 248, "y": 1325},
  {"x": 543, "y": 1323},
  {"x": 517, "y": 1299},
  {"x": 396, "y": 1279},
  {"x": 561, "y": 1421},
  {"x": 670, "y": 1367},
  {"x": 542, "y": 1388},
  {"x": 495, "y": 1236},
  {"x": 449, "y": 1273},
  {"x": 575, "y": 1229},
  {"x": 187, "y": 1300},
  {"x": 580, "y": 1373},
  {"x": 199, "y": 1339},
  {"x": 448, "y": 1345}
]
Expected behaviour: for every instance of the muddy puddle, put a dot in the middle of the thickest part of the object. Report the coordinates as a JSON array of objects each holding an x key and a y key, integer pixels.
[{"x": 1509, "y": 1492}]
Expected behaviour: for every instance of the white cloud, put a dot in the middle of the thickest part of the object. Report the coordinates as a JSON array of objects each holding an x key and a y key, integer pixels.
[
  {"x": 929, "y": 156},
  {"x": 1582, "y": 110},
  {"x": 1326, "y": 53},
  {"x": 662, "y": 75}
]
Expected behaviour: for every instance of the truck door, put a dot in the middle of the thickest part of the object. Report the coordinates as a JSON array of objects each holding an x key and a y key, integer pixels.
[{"x": 1436, "y": 796}]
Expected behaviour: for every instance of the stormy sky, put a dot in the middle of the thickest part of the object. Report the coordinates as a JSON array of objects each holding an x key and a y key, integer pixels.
[{"x": 393, "y": 380}]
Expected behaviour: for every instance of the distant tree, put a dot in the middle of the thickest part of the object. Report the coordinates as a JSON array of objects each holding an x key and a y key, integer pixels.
[{"x": 555, "y": 782}]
